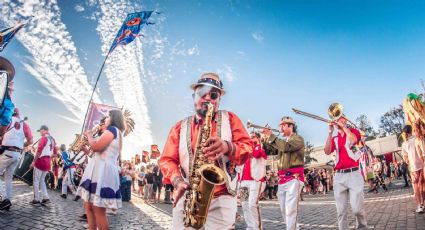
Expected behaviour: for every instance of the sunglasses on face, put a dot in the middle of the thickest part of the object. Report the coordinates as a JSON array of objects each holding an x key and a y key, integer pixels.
[{"x": 214, "y": 95}]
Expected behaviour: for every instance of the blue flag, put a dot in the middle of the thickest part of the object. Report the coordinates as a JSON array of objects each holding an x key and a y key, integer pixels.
[
  {"x": 7, "y": 34},
  {"x": 130, "y": 29}
]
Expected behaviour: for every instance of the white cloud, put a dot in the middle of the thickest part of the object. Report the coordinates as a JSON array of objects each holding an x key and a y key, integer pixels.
[
  {"x": 227, "y": 72},
  {"x": 258, "y": 36},
  {"x": 70, "y": 119},
  {"x": 91, "y": 2},
  {"x": 180, "y": 49},
  {"x": 79, "y": 8},
  {"x": 55, "y": 61}
]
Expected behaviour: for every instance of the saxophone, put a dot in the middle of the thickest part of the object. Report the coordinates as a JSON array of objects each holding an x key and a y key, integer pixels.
[{"x": 204, "y": 176}]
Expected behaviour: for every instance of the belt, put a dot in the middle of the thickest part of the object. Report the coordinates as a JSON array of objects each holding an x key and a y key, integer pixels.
[
  {"x": 11, "y": 148},
  {"x": 347, "y": 170}
]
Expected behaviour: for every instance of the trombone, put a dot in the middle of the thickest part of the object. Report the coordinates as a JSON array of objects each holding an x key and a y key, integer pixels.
[
  {"x": 254, "y": 126},
  {"x": 335, "y": 111}
]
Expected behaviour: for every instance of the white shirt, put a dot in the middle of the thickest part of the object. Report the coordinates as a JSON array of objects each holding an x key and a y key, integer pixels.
[{"x": 411, "y": 150}]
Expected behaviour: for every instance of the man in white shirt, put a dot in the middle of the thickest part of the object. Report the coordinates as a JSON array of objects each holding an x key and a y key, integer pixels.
[
  {"x": 412, "y": 153},
  {"x": 17, "y": 136}
]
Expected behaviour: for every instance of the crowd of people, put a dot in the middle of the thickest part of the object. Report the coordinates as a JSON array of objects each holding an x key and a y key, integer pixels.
[{"x": 211, "y": 136}]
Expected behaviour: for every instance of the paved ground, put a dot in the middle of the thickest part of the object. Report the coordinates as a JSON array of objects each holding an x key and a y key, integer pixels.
[{"x": 390, "y": 210}]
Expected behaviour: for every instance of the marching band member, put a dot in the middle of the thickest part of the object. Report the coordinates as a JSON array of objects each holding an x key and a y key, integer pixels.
[
  {"x": 17, "y": 136},
  {"x": 290, "y": 150},
  {"x": 100, "y": 184},
  {"x": 252, "y": 184},
  {"x": 228, "y": 143},
  {"x": 348, "y": 181},
  {"x": 67, "y": 172},
  {"x": 41, "y": 164}
]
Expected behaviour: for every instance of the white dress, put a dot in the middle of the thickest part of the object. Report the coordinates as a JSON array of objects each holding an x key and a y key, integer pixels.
[{"x": 100, "y": 184}]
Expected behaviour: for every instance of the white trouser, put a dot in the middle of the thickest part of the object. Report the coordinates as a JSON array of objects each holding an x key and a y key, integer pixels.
[
  {"x": 40, "y": 184},
  {"x": 288, "y": 195},
  {"x": 221, "y": 215},
  {"x": 250, "y": 207},
  {"x": 68, "y": 180},
  {"x": 8, "y": 162},
  {"x": 349, "y": 187}
]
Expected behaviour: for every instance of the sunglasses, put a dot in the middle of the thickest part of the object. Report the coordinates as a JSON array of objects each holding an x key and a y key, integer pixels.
[{"x": 214, "y": 95}]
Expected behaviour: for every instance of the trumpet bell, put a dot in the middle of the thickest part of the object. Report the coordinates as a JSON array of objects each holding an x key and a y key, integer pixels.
[{"x": 335, "y": 111}]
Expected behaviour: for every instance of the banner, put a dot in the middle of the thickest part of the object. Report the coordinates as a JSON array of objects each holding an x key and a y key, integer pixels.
[
  {"x": 155, "y": 152},
  {"x": 96, "y": 113},
  {"x": 145, "y": 157}
]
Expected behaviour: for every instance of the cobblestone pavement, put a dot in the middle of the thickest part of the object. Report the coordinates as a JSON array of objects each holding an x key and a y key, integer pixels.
[{"x": 387, "y": 210}]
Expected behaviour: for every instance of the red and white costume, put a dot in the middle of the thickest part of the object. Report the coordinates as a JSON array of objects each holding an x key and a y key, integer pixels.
[
  {"x": 348, "y": 181},
  {"x": 46, "y": 148},
  {"x": 254, "y": 188}
]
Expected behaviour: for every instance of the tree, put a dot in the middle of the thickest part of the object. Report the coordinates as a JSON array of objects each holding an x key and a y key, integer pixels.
[
  {"x": 308, "y": 150},
  {"x": 392, "y": 122},
  {"x": 364, "y": 125}
]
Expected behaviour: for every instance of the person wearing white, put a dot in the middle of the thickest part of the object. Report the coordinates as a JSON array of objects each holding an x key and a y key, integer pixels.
[
  {"x": 252, "y": 184},
  {"x": 100, "y": 184},
  {"x": 348, "y": 182},
  {"x": 291, "y": 167},
  {"x": 17, "y": 136},
  {"x": 228, "y": 146},
  {"x": 41, "y": 164},
  {"x": 412, "y": 150}
]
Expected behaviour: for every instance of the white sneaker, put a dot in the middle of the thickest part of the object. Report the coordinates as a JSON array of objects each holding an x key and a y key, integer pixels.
[{"x": 419, "y": 209}]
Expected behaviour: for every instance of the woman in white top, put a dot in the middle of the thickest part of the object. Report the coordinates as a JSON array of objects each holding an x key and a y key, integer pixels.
[
  {"x": 100, "y": 185},
  {"x": 412, "y": 154}
]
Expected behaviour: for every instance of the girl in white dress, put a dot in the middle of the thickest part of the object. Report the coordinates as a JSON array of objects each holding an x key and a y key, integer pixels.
[{"x": 100, "y": 184}]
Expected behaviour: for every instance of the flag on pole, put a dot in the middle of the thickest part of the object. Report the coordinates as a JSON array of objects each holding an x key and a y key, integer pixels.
[
  {"x": 7, "y": 34},
  {"x": 131, "y": 28}
]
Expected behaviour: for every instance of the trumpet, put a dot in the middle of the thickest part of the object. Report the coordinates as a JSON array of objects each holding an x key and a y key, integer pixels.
[
  {"x": 254, "y": 126},
  {"x": 335, "y": 111}
]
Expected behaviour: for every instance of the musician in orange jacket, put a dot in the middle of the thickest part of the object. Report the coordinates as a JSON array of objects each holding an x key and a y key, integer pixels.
[{"x": 229, "y": 145}]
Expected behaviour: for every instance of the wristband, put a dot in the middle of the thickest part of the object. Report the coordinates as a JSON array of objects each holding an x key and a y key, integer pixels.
[
  {"x": 229, "y": 148},
  {"x": 176, "y": 181}
]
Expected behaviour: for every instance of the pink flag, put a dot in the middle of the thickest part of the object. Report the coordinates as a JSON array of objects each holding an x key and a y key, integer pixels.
[{"x": 96, "y": 113}]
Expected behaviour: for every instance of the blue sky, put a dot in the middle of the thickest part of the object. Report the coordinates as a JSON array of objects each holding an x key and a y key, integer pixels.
[{"x": 272, "y": 56}]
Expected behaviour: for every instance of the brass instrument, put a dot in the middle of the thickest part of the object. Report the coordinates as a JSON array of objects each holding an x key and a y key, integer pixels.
[
  {"x": 335, "y": 111},
  {"x": 254, "y": 126},
  {"x": 204, "y": 176},
  {"x": 81, "y": 140}
]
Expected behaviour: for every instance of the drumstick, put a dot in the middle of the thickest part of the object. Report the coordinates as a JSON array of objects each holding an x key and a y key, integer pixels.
[{"x": 27, "y": 172}]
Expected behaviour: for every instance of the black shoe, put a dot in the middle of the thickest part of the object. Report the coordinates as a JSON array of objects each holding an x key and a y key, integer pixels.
[
  {"x": 5, "y": 205},
  {"x": 35, "y": 203},
  {"x": 63, "y": 196},
  {"x": 83, "y": 217},
  {"x": 77, "y": 198},
  {"x": 45, "y": 201}
]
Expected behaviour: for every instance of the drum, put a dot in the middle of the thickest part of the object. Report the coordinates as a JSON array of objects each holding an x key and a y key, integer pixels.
[{"x": 22, "y": 171}]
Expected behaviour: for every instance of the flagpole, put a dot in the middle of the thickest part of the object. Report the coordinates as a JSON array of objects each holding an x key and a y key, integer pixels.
[{"x": 92, "y": 94}]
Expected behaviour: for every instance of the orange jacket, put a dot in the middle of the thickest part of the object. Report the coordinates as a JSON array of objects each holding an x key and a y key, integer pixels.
[{"x": 241, "y": 142}]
